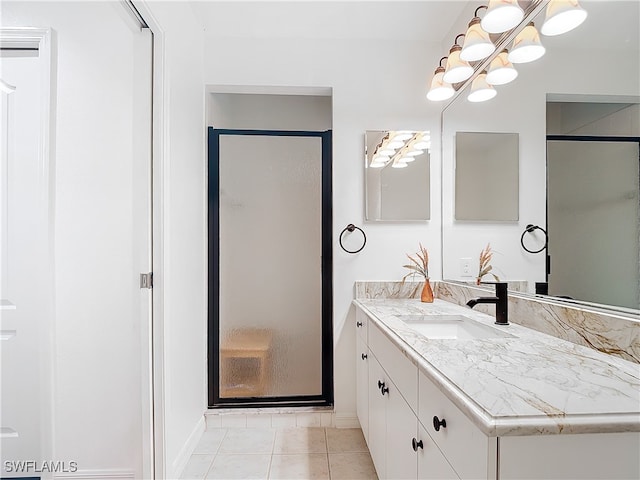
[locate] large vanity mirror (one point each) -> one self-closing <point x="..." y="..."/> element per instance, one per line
<point x="587" y="87"/>
<point x="397" y="175"/>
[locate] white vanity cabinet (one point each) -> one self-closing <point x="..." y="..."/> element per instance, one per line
<point x="387" y="405"/>
<point x="397" y="406"/>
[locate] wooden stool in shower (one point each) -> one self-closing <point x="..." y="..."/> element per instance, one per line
<point x="244" y="363"/>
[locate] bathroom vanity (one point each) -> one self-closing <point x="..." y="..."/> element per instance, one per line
<point x="443" y="393"/>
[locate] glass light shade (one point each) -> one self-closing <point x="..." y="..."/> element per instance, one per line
<point x="399" y="164"/>
<point x="526" y="46"/>
<point x="501" y="15"/>
<point x="457" y="70"/>
<point x="477" y="44"/>
<point x="440" y="90"/>
<point x="481" y="91"/>
<point x="377" y="165"/>
<point x="501" y="70"/>
<point x="422" y="144"/>
<point x="394" y="144"/>
<point x="407" y="159"/>
<point x="414" y="153"/>
<point x="386" y="152"/>
<point x="562" y="16"/>
<point x="381" y="159"/>
<point x="402" y="136"/>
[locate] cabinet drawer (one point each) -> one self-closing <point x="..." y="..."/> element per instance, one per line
<point x="362" y="325"/>
<point x="469" y="451"/>
<point x="398" y="367"/>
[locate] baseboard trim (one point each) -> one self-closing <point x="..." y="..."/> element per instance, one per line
<point x="96" y="475"/>
<point x="350" y="421"/>
<point x="177" y="466"/>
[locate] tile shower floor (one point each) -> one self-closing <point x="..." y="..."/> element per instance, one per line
<point x="281" y="453"/>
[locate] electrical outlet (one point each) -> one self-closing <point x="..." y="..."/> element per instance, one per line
<point x="465" y="267"/>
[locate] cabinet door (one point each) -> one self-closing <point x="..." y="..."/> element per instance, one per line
<point x="431" y="462"/>
<point x="377" y="417"/>
<point x="401" y="430"/>
<point x="362" y="385"/>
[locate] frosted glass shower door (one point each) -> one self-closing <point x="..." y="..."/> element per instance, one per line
<point x="269" y="332"/>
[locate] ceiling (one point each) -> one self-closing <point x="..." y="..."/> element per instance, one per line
<point x="425" y="21"/>
<point x="610" y="23"/>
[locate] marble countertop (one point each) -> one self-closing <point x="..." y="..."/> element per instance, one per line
<point x="531" y="384"/>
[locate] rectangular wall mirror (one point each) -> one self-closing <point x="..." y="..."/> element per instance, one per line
<point x="486" y="178"/>
<point x="397" y="176"/>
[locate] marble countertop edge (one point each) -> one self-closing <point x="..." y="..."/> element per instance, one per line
<point x="508" y="425"/>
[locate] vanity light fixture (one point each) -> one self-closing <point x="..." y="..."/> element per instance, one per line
<point x="481" y="91"/>
<point x="562" y="16"/>
<point x="502" y="15"/>
<point x="526" y="46"/>
<point x="457" y="70"/>
<point x="477" y="44"/>
<point x="439" y="90"/>
<point x="501" y="70"/>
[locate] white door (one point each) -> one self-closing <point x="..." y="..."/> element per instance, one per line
<point x="76" y="223"/>
<point x="362" y="381"/>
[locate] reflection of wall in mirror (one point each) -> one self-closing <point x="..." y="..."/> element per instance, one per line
<point x="566" y="71"/>
<point x="486" y="176"/>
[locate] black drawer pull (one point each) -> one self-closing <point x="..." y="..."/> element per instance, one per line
<point x="384" y="389"/>
<point x="415" y="444"/>
<point x="437" y="423"/>
<point x="358" y="324"/>
<point x="364" y="356"/>
<point x="380" y="384"/>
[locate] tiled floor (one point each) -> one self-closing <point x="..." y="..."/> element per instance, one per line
<point x="281" y="453"/>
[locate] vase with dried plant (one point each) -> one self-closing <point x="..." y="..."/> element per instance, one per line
<point x="485" y="266"/>
<point x="420" y="266"/>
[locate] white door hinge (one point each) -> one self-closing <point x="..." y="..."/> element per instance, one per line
<point x="146" y="280"/>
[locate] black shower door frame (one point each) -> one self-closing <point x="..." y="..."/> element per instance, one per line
<point x="213" y="314"/>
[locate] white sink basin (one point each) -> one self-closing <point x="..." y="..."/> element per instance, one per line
<point x="455" y="327"/>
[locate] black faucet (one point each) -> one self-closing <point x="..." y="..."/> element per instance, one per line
<point x="501" y="300"/>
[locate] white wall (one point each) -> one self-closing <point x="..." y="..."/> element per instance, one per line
<point x="521" y="107"/>
<point x="97" y="405"/>
<point x="364" y="98"/>
<point x="180" y="228"/>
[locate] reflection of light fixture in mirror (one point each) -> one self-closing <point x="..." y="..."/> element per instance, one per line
<point x="481" y="91"/>
<point x="526" y="46"/>
<point x="501" y="70"/>
<point x="502" y="15"/>
<point x="375" y="164"/>
<point x="6" y="87"/>
<point x="414" y="153"/>
<point x="477" y="44"/>
<point x="457" y="70"/>
<point x="402" y="136"/>
<point x="407" y="159"/>
<point x="399" y="164"/>
<point x="386" y="151"/>
<point x="562" y="16"/>
<point x="439" y="89"/>
<point x="395" y="144"/>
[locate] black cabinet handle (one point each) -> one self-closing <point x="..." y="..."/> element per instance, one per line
<point x="415" y="444"/>
<point x="358" y="324"/>
<point x="437" y="423"/>
<point x="380" y="384"/>
<point x="384" y="389"/>
<point x="364" y="355"/>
